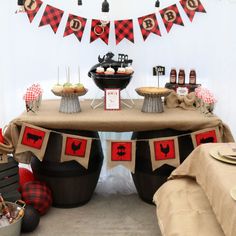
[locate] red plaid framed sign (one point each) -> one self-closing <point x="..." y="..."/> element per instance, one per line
<point x="112" y="99"/>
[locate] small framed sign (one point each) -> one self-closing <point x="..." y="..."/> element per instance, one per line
<point x="112" y="99"/>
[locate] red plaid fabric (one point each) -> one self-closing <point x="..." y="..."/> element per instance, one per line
<point x="38" y="195"/>
<point x="32" y="7"/>
<point x="170" y="16"/>
<point x="51" y="16"/>
<point x="192" y="6"/>
<point x="124" y="29"/>
<point x="75" y="25"/>
<point x="99" y="30"/>
<point x="148" y="24"/>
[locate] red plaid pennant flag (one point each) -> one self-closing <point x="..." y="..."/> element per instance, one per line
<point x="170" y="16"/>
<point x="75" y="25"/>
<point x="164" y="151"/>
<point x="32" y="7"/>
<point x="148" y="24"/>
<point x="192" y="6"/>
<point x="99" y="30"/>
<point x="51" y="16"/>
<point x="121" y="153"/>
<point x="124" y="29"/>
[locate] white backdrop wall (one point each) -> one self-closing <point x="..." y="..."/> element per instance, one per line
<point x="32" y="54"/>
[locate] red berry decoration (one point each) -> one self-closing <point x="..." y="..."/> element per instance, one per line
<point x="25" y="176"/>
<point x="37" y="194"/>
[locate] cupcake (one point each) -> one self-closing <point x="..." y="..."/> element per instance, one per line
<point x="129" y="70"/>
<point x="100" y="70"/>
<point x="68" y="88"/>
<point x="110" y="71"/>
<point x="78" y="88"/>
<point x="57" y="88"/>
<point x="121" y="70"/>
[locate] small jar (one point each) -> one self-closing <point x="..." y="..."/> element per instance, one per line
<point x="181" y="77"/>
<point x="173" y="76"/>
<point x="192" y="77"/>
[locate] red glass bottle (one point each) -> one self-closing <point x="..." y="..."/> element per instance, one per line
<point x="181" y="77"/>
<point x="173" y="76"/>
<point x="192" y="77"/>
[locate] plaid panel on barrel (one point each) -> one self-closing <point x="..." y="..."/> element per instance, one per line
<point x="75" y="25"/>
<point x="192" y="6"/>
<point x="99" y="29"/>
<point x="124" y="29"/>
<point x="32" y="7"/>
<point x="148" y="24"/>
<point x="170" y="16"/>
<point x="51" y="16"/>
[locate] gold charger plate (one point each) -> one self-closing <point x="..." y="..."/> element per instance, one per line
<point x="214" y="152"/>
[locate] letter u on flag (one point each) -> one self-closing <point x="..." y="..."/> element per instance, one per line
<point x="210" y="135"/>
<point x="192" y="6"/>
<point x="75" y="25"/>
<point x="32" y="7"/>
<point x="121" y="153"/>
<point x="51" y="16"/>
<point x="148" y="24"/>
<point x="33" y="139"/>
<point x="164" y="151"/>
<point x="76" y="148"/>
<point x="170" y="16"/>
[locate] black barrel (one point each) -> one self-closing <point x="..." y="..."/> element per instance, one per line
<point x="71" y="184"/>
<point x="147" y="181"/>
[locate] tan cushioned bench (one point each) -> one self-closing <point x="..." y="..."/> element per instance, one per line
<point x="184" y="210"/>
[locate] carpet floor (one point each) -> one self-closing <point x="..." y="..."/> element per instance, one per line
<point x="102" y="216"/>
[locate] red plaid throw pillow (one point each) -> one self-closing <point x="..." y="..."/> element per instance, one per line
<point x="38" y="195"/>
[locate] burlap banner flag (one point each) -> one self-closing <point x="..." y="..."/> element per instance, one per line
<point x="121" y="153"/>
<point x="99" y="29"/>
<point x="124" y="29"/>
<point x="76" y="148"/>
<point x="210" y="135"/>
<point x="170" y="16"/>
<point x="148" y="24"/>
<point x="75" y="25"/>
<point x="164" y="151"/>
<point x="32" y="7"/>
<point x="33" y="139"/>
<point x="51" y="16"/>
<point x="192" y="6"/>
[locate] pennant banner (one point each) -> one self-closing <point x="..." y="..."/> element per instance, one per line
<point x="170" y="16"/>
<point x="76" y="148"/>
<point x="121" y="153"/>
<point x="148" y="24"/>
<point x="124" y="29"/>
<point x="192" y="6"/>
<point x="211" y="135"/>
<point x="164" y="151"/>
<point x="51" y="16"/>
<point x="99" y="29"/>
<point x="33" y="139"/>
<point x="75" y="25"/>
<point x="32" y="7"/>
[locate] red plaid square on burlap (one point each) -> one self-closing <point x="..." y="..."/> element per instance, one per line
<point x="124" y="29"/>
<point x="192" y="6"/>
<point x="32" y="7"/>
<point x="75" y="25"/>
<point x="148" y="24"/>
<point x="100" y="30"/>
<point x="51" y="16"/>
<point x="170" y="15"/>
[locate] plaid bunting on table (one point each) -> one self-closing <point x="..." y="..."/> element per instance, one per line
<point x="192" y="6"/>
<point x="99" y="30"/>
<point x="51" y="16"/>
<point x="75" y="25"/>
<point x="170" y="16"/>
<point x="32" y="7"/>
<point x="124" y="29"/>
<point x="148" y="24"/>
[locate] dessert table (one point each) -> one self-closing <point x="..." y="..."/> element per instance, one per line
<point x="173" y="121"/>
<point x="215" y="178"/>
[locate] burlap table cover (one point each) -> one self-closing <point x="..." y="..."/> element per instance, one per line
<point x="216" y="179"/>
<point x="123" y="120"/>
